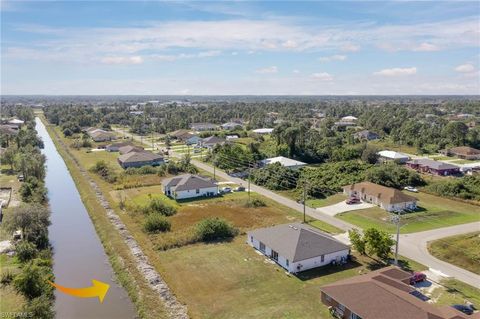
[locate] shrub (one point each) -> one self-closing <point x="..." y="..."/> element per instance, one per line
<point x="26" y="251"/>
<point x="256" y="202"/>
<point x="6" y="278"/>
<point x="31" y="282"/>
<point x="157" y="206"/>
<point x="215" y="228"/>
<point x="40" y="308"/>
<point x="104" y="170"/>
<point x="156" y="223"/>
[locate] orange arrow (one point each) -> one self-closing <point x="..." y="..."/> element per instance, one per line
<point x="98" y="289"/>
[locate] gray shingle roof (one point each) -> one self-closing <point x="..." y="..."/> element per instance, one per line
<point x="188" y="182"/>
<point x="143" y="156"/>
<point x="297" y="241"/>
<point x="432" y="164"/>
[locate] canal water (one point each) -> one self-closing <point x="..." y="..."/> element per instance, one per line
<point x="78" y="253"/>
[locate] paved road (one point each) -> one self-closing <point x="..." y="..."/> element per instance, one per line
<point x="413" y="246"/>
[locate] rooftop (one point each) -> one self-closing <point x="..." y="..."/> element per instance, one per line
<point x="297" y="241"/>
<point x="393" y="155"/>
<point x="188" y="182"/>
<point x="432" y="164"/>
<point x="386" y="195"/>
<point x="142" y="156"/>
<point x="284" y="161"/>
<point x="464" y="150"/>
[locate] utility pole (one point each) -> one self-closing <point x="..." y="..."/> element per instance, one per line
<point x="397" y="221"/>
<point x="249" y="171"/>
<point x="304" y="198"/>
<point x="214" y="169"/>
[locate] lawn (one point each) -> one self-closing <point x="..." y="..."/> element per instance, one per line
<point x="388" y="145"/>
<point x="434" y="212"/>
<point x="463" y="161"/>
<point x="440" y="157"/>
<point x="330" y="200"/>
<point x="10" y="300"/>
<point x="462" y="251"/>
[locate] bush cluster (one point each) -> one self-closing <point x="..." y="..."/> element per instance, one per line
<point x="215" y="228"/>
<point x="105" y="171"/>
<point x="155" y="223"/>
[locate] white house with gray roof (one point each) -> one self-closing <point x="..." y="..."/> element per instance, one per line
<point x="189" y="186"/>
<point x="298" y="247"/>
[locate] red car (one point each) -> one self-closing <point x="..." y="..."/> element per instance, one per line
<point x="417" y="277"/>
<point x="352" y="200"/>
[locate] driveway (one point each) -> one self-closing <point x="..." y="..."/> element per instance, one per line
<point x="341" y="207"/>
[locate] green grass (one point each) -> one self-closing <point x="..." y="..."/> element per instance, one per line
<point x="388" y="145"/>
<point x="440" y="158"/>
<point x="330" y="200"/>
<point x="10" y="299"/>
<point x="463" y="161"/>
<point x="462" y="251"/>
<point x="456" y="292"/>
<point x="435" y="212"/>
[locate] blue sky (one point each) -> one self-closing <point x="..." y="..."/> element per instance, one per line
<point x="240" y="47"/>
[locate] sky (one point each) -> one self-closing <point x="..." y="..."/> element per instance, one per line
<point x="240" y="47"/>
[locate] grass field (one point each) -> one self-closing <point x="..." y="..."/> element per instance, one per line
<point x="435" y="212"/>
<point x="10" y="300"/>
<point x="330" y="200"/>
<point x="388" y="145"/>
<point x="463" y="161"/>
<point x="462" y="251"/>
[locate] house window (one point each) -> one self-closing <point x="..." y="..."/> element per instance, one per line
<point x="354" y="316"/>
<point x="262" y="247"/>
<point x="274" y="255"/>
<point x="197" y="191"/>
<point x="322" y="258"/>
<point x="341" y="307"/>
<point x="251" y="239"/>
<point x="328" y="298"/>
<point x="288" y="263"/>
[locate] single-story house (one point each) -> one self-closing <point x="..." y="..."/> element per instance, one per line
<point x="199" y="127"/>
<point x="193" y="139"/>
<point x="129" y="148"/>
<point x="189" y="186"/>
<point x="115" y="147"/>
<point x="9" y="129"/>
<point x="139" y="159"/>
<point x="230" y="126"/>
<point x="382" y="294"/>
<point x="263" y="131"/>
<point x="180" y="134"/>
<point x="298" y="247"/>
<point x="349" y="118"/>
<point x="464" y="152"/>
<point x="344" y="124"/>
<point x="99" y="135"/>
<point x="284" y="161"/>
<point x="16" y="122"/>
<point x="231" y="137"/>
<point x="387" y="156"/>
<point x="211" y="141"/>
<point x="390" y="199"/>
<point x="366" y="135"/>
<point x="426" y="165"/>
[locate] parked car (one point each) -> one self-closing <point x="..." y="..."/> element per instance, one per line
<point x="463" y="308"/>
<point x="417" y="277"/>
<point x="352" y="200"/>
<point x="411" y="189"/>
<point x="20" y="178"/>
<point x="226" y="190"/>
<point x="239" y="189"/>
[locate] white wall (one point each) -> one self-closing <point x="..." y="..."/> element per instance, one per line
<point x="306" y="264"/>
<point x="193" y="193"/>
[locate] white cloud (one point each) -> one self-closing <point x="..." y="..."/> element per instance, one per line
<point x="296" y="71"/>
<point x="322" y="76"/>
<point x="397" y="71"/>
<point x="465" y="68"/>
<point x="349" y="47"/>
<point x="270" y="69"/>
<point x="122" y="60"/>
<point x="336" y="57"/>
<point x="290" y="44"/>
<point x="426" y="47"/>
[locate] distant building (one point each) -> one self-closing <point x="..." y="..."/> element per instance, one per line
<point x="366" y="135"/>
<point x="349" y="118"/>
<point x="139" y="159"/>
<point x="393" y="156"/>
<point x="382" y="294"/>
<point x="263" y="131"/>
<point x="211" y="141"/>
<point x="200" y="127"/>
<point x="464" y="152"/>
<point x="114" y="147"/>
<point x="193" y="139"/>
<point x="8" y="129"/>
<point x="388" y="198"/>
<point x="129" y="148"/>
<point x="344" y="124"/>
<point x="99" y="135"/>
<point x="425" y="165"/>
<point x="16" y="122"/>
<point x="181" y="135"/>
<point x="284" y="161"/>
<point x="298" y="247"/>
<point x="189" y="186"/>
<point x="231" y="137"/>
<point x="230" y="126"/>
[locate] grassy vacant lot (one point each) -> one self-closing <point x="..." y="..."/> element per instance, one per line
<point x="462" y="250"/>
<point x="10" y="300"/>
<point x="388" y="145"/>
<point x="434" y="212"/>
<point x="330" y="200"/>
<point x="455" y="292"/>
<point x="223" y="280"/>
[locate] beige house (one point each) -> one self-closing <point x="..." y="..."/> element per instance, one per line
<point x="390" y="199"/>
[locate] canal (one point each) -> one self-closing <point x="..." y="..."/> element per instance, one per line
<point x="78" y="253"/>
